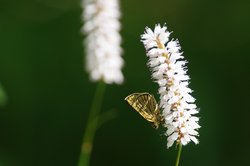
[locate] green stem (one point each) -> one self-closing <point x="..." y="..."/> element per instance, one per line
<point x="178" y="155"/>
<point x="92" y="125"/>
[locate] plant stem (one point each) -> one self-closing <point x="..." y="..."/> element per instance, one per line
<point x="92" y="125"/>
<point x="178" y="155"/>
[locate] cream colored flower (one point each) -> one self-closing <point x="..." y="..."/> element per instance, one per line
<point x="169" y="71"/>
<point x="102" y="43"/>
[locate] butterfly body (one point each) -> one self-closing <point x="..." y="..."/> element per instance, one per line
<point x="146" y="105"/>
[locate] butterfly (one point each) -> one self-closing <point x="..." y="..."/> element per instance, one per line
<point x="146" y="105"/>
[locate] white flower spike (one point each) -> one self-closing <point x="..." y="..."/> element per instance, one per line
<point x="103" y="51"/>
<point x="169" y="71"/>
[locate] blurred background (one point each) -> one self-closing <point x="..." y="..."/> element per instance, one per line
<point x="47" y="94"/>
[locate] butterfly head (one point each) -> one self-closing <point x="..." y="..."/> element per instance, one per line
<point x="158" y="120"/>
<point x="155" y="125"/>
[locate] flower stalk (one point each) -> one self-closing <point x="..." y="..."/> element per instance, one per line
<point x="91" y="125"/>
<point x="178" y="155"/>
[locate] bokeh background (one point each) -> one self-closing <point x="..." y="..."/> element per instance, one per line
<point x="49" y="93"/>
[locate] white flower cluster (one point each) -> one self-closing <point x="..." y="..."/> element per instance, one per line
<point x="103" y="51"/>
<point x="169" y="71"/>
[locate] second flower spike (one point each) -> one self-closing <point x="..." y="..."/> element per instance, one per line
<point x="103" y="40"/>
<point x="169" y="71"/>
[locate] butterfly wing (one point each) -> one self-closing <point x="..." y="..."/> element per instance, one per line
<point x="132" y="98"/>
<point x="144" y="104"/>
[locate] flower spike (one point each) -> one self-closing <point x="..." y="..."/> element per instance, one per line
<point x="170" y="72"/>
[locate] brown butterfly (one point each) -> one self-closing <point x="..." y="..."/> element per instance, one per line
<point x="146" y="106"/>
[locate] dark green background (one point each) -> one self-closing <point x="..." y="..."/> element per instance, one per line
<point x="49" y="94"/>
